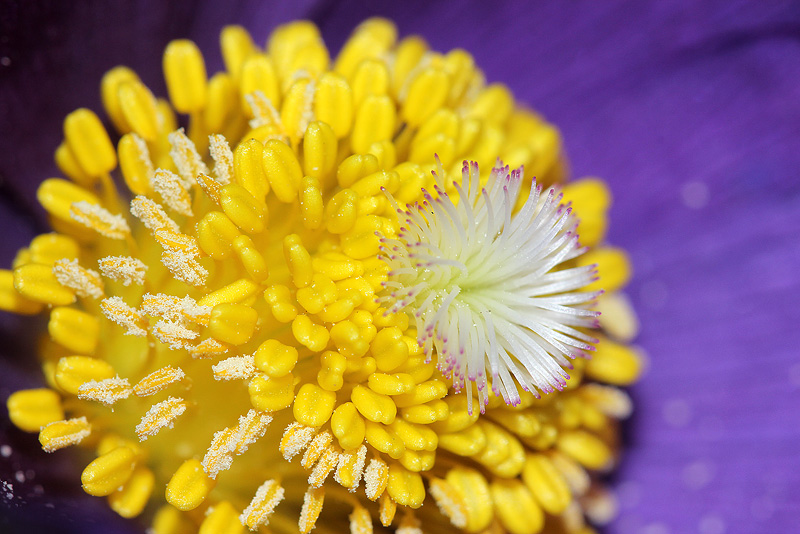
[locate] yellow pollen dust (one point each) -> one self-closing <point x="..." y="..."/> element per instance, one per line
<point x="223" y="336"/>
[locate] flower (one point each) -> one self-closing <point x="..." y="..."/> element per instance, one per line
<point x="259" y="237"/>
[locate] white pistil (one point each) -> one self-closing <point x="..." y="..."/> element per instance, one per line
<point x="487" y="285"/>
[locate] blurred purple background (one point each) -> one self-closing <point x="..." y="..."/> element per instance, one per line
<point x="690" y="110"/>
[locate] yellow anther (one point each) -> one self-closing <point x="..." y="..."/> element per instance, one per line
<point x="159" y="416"/>
<point x="271" y="394"/>
<point x="219" y="457"/>
<point x="49" y="248"/>
<point x="235" y="292"/>
<point x="412" y="179"/>
<point x="275" y="359"/>
<point x="247" y="212"/>
<point x="135" y="164"/>
<point x="208" y="348"/>
<point x="326" y="464"/>
<point x="424" y="149"/>
<point x="189" y="486"/>
<point x="333" y="366"/>
<point x="222" y="518"/>
<point x="609" y="400"/>
<point x="236" y="45"/>
<point x="374" y="122"/>
<point x="494" y="104"/>
<point x="449" y="501"/>
<point x="266" y="121"/>
<point x="310" y="334"/>
<point x="405" y="487"/>
<point x="418" y="461"/>
<point x="210" y="187"/>
<point x="356" y="167"/>
<point x="258" y="74"/>
<point x="370" y="78"/>
<point x="386" y="153"/>
<point x="473" y="490"/>
<point x="311" y="203"/>
<point x="465" y="442"/>
<point x="172" y="191"/>
<point x="460" y="65"/>
<point x="375" y="183"/>
<point x="524" y="424"/>
<point x="158" y="380"/>
<point x="269" y="494"/>
<point x="590" y="200"/>
<point x="115" y="309"/>
<point x="371" y="39"/>
<point x="248" y="169"/>
<point x="613" y="268"/>
<point x="73" y="329"/>
<point x="223" y="101"/>
<point x="184" y="267"/>
<point x="100" y="220"/>
<point x="185" y="74"/>
<point x="250" y="428"/>
<point x="176" y="241"/>
<point x="337" y="267"/>
<point x="376" y="477"/>
<point x="13" y="301"/>
<point x="351" y="340"/>
<point x="312" y="506"/>
<point x="316" y="449"/>
<point x="152" y="215"/>
<point x="341" y="211"/>
<point x="222" y="155"/>
<point x="313" y="405"/>
<point x="513" y="463"/>
<point x="384" y="439"/>
<point x="130" y="500"/>
<point x="516" y="508"/>
<point x="123" y="269"/>
<point x="282" y="170"/>
<point x="386" y="384"/>
<point x="295" y="438"/>
<point x="360" y="241"/>
<point x="170" y="520"/>
<point x="348" y="426"/>
<point x="68" y="164"/>
<point x="109" y="92"/>
<point x="415" y="437"/>
<point x="216" y="233"/>
<point x="31" y="409"/>
<point x="138" y="106"/>
<point x="617" y="316"/>
<point x="234" y="368"/>
<point x="233" y="323"/>
<point x="426" y="414"/>
<point x="73" y="371"/>
<point x="351" y="467"/>
<point x="298" y="260"/>
<point x="586" y="448"/>
<point x="57" y="196"/>
<point x="88" y="140"/>
<point x="427" y="93"/>
<point x="424" y="392"/>
<point x="319" y="151"/>
<point x="186" y="157"/>
<point x="333" y="103"/>
<point x="296" y="110"/>
<point x="173" y="333"/>
<point x="614" y="363"/>
<point x="251" y="258"/>
<point x="108" y="391"/>
<point x="359" y="369"/>
<point x="360" y="520"/>
<point x="321" y="292"/>
<point x="281" y="304"/>
<point x="108" y="472"/>
<point x="388" y="508"/>
<point x="389" y="349"/>
<point x="546" y="483"/>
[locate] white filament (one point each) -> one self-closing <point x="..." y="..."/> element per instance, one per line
<point x="487" y="285"/>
